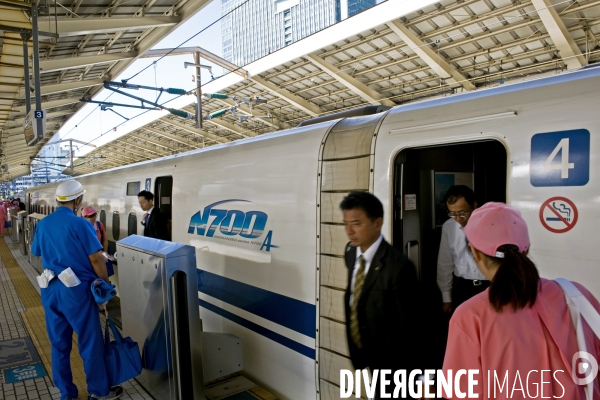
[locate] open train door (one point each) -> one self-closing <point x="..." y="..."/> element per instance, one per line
<point x="163" y="195"/>
<point x="422" y="177"/>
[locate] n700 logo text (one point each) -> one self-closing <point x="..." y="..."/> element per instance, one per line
<point x="249" y="225"/>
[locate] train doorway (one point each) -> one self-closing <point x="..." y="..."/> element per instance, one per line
<point x="163" y="196"/>
<point x="422" y="177"/>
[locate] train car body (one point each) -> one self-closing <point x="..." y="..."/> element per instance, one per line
<point x="263" y="213"/>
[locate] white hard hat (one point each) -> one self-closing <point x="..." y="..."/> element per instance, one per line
<point x="69" y="190"/>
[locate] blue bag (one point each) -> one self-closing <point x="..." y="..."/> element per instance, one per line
<point x="123" y="360"/>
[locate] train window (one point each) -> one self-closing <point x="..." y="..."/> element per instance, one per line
<point x="132" y="224"/>
<point x="103" y="217"/>
<point x="116" y="225"/>
<point x="133" y="188"/>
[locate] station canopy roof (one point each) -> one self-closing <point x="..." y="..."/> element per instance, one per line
<point x="389" y="55"/>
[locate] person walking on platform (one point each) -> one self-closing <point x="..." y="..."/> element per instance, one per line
<point x="457" y="275"/>
<point x="68" y="243"/>
<point x="155" y="225"/>
<point x="381" y="300"/>
<point x="520" y="333"/>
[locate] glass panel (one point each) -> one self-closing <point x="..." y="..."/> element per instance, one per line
<point x="133" y="188"/>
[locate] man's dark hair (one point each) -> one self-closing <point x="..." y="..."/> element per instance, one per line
<point x="456" y="192"/>
<point x="365" y="201"/>
<point x="146" y="194"/>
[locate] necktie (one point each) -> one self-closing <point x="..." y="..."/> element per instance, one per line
<point x="145" y="219"/>
<point x="359" y="281"/>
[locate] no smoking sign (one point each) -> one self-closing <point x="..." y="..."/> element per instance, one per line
<point x="558" y="214"/>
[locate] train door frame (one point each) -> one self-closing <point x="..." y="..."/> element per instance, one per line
<point x="164" y="185"/>
<point x="416" y="232"/>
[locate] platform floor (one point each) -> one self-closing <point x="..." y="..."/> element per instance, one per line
<point x="24" y="345"/>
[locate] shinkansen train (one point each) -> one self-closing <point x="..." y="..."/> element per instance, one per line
<point x="263" y="213"/>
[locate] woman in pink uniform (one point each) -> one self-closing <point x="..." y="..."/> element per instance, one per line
<point x="518" y="333"/>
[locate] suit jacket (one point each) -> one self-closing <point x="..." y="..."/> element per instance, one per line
<point x="387" y="311"/>
<point x="156" y="226"/>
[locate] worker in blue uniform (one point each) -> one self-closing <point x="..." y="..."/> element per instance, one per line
<point x="65" y="241"/>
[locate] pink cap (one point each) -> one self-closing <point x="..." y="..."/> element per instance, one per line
<point x="87" y="211"/>
<point x="496" y="224"/>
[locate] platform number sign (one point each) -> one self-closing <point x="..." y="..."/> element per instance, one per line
<point x="560" y="158"/>
<point x="38" y="114"/>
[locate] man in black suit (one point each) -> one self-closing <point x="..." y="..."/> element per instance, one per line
<point x="155" y="224"/>
<point x="381" y="298"/>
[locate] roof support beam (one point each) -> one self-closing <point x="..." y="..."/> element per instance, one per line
<point x="51" y="65"/>
<point x="137" y="136"/>
<point x="274" y="122"/>
<point x="230" y="127"/>
<point x="436" y="62"/>
<point x="568" y="49"/>
<point x="158" y="152"/>
<point x="85" y="26"/>
<point x="169" y="136"/>
<point x="196" y="131"/>
<point x="65" y="87"/>
<point x="52" y="104"/>
<point x="18" y="122"/>
<point x="351" y="83"/>
<point x="128" y="153"/>
<point x="296" y="101"/>
<point x="109" y="154"/>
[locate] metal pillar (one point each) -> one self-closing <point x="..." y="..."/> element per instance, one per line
<point x="36" y="65"/>
<point x="26" y="36"/>
<point x="198" y="91"/>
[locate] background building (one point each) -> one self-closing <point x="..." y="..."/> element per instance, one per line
<point x="260" y="27"/>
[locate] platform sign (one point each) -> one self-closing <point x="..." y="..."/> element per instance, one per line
<point x="560" y="158"/>
<point x="24" y="372"/>
<point x="558" y="214"/>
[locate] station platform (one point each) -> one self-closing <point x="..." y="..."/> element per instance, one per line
<point x="25" y="367"/>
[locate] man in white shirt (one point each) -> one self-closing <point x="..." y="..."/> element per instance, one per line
<point x="458" y="277"/>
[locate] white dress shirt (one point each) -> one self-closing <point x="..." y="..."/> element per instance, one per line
<point x="368" y="256"/>
<point x="454" y="258"/>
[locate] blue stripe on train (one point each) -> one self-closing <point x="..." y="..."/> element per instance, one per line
<point x="300" y="348"/>
<point x="291" y="313"/>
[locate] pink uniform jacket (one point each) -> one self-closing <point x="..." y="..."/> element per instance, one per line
<point x="519" y="355"/>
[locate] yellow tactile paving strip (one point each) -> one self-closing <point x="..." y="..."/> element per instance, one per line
<point x="35" y="321"/>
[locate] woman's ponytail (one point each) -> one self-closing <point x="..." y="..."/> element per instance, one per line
<point x="516" y="281"/>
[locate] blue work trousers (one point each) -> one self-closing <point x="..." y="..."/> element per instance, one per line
<point x="74" y="309"/>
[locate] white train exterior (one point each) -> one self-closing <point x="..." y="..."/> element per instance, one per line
<point x="263" y="213"/>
